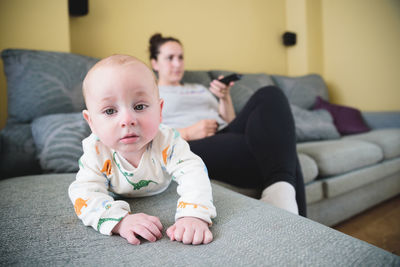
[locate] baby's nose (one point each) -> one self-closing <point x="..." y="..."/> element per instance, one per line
<point x="128" y="119"/>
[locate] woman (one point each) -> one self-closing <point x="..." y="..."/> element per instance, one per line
<point x="253" y="149"/>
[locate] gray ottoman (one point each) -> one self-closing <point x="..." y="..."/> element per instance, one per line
<point x="39" y="227"/>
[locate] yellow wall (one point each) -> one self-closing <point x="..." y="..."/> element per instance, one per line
<point x="361" y="48"/>
<point x="297" y="60"/>
<point x="353" y="44"/>
<point x="38" y="24"/>
<point x="224" y="34"/>
<point x="304" y="18"/>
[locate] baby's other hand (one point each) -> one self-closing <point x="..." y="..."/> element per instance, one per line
<point x="146" y="226"/>
<point x="190" y="230"/>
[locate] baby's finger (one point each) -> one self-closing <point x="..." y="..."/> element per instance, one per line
<point x="178" y="233"/>
<point x="188" y="236"/>
<point x="156" y="221"/>
<point x="208" y="236"/>
<point x="198" y="237"/>
<point x="145" y="233"/>
<point x="170" y="232"/>
<point x="152" y="228"/>
<point x="131" y="238"/>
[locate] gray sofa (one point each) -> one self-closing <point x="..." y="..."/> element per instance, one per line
<point x="343" y="176"/>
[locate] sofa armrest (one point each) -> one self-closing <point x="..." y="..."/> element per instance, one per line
<point x="382" y="119"/>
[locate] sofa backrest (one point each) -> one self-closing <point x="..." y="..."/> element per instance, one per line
<point x="42" y="82"/>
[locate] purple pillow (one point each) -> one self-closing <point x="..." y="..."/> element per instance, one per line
<point x="346" y="119"/>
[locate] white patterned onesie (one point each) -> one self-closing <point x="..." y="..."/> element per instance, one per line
<point x="103" y="173"/>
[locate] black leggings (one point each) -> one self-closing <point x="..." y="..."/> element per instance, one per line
<point x="258" y="148"/>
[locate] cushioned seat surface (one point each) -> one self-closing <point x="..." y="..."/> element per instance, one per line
<point x="387" y="139"/>
<point x="356" y="179"/>
<point x="39" y="227"/>
<point x="340" y="156"/>
<point x="314" y="192"/>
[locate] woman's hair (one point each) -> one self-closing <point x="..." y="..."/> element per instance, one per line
<point x="156" y="41"/>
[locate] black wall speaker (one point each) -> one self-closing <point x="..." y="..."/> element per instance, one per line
<point x="78" y="7"/>
<point x="289" y="38"/>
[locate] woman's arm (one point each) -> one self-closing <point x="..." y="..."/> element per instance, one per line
<point x="222" y="91"/>
<point x="199" y="130"/>
<point x="226" y="109"/>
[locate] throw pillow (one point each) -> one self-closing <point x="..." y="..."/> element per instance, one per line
<point x="313" y="125"/>
<point x="301" y="91"/>
<point x="245" y="87"/>
<point x="42" y="82"/>
<point x="58" y="139"/>
<point x="347" y="120"/>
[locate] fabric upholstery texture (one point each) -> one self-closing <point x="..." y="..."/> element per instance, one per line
<point x="41" y="82"/>
<point x="387" y="139"/>
<point x="313" y="125"/>
<point x="314" y="192"/>
<point x="309" y="168"/>
<point x="340" y="156"/>
<point x="382" y="119"/>
<point x="246" y="232"/>
<point x="348" y="120"/>
<point x="18" y="152"/>
<point x="192" y="76"/>
<point x="331" y="211"/>
<point x="58" y="139"/>
<point x="358" y="178"/>
<point x="302" y="91"/>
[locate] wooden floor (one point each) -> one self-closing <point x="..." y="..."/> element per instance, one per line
<point x="379" y="226"/>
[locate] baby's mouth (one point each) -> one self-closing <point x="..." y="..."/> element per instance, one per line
<point x="129" y="138"/>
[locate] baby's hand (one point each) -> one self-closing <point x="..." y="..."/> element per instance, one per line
<point x="146" y="226"/>
<point x="190" y="230"/>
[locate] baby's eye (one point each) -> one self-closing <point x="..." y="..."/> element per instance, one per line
<point x="140" y="107"/>
<point x="110" y="111"/>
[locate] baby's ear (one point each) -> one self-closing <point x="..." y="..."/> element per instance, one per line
<point x="161" y="107"/>
<point x="86" y="116"/>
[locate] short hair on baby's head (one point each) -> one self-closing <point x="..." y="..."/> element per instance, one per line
<point x="114" y="60"/>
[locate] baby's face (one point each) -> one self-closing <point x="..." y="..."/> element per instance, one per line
<point x="123" y="107"/>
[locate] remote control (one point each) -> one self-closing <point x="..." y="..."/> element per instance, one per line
<point x="231" y="78"/>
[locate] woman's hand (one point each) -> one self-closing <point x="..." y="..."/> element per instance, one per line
<point x="199" y="130"/>
<point x="221" y="90"/>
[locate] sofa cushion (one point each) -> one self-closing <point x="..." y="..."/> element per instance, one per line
<point x="18" y="152"/>
<point x="348" y="120"/>
<point x="193" y="76"/>
<point x="245" y="87"/>
<point x="313" y="125"/>
<point x="41" y="82"/>
<point x="308" y="167"/>
<point x="314" y="192"/>
<point x="356" y="179"/>
<point x="303" y="90"/>
<point x="41" y="229"/>
<point x="340" y="156"/>
<point x="58" y="139"/>
<point x="387" y="139"/>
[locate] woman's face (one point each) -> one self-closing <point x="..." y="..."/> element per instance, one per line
<point x="170" y="64"/>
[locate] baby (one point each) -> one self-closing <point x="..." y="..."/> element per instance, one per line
<point x="131" y="154"/>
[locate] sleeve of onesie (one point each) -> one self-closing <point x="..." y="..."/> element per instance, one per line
<point x="194" y="186"/>
<point x="89" y="192"/>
